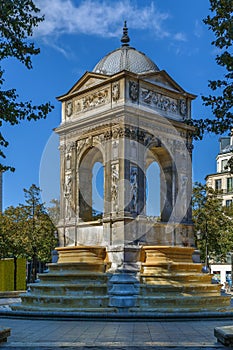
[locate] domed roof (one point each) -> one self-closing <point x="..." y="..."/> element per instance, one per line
<point x="125" y="58"/>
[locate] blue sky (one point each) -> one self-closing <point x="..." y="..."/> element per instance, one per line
<point x="73" y="38"/>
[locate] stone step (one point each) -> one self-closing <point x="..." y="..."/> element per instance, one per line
<point x="73" y="277"/>
<point x="68" y="289"/>
<point x="78" y="266"/>
<point x="63" y="301"/>
<point x="78" y="256"/>
<point x="73" y="254"/>
<point x="185" y="290"/>
<point x="46" y="308"/>
<point x="182" y="277"/>
<point x="158" y="259"/>
<point x="156" y="311"/>
<point x="182" y="302"/>
<point x="178" y="254"/>
<point x="171" y="266"/>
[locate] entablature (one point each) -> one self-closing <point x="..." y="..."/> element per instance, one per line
<point x="95" y="92"/>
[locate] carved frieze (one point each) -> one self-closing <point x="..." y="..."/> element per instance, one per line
<point x="159" y="100"/>
<point x="90" y="101"/>
<point x="162" y="102"/>
<point x="94" y="100"/>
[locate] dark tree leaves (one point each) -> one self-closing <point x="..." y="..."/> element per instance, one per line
<point x="18" y="18"/>
<point x="213" y="220"/>
<point x="27" y="230"/>
<point x="221" y="100"/>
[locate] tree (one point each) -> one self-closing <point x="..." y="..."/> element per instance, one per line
<point x="54" y="211"/>
<point x="213" y="222"/>
<point x="27" y="231"/>
<point x="17" y="20"/>
<point x="221" y="101"/>
<point x="12" y="234"/>
<point x="40" y="228"/>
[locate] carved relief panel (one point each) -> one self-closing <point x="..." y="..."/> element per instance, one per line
<point x="115" y="186"/>
<point x="115" y="91"/>
<point x="68" y="179"/>
<point x="134" y="188"/>
<point x="158" y="100"/>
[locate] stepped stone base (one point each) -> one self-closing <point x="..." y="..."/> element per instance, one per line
<point x="166" y="281"/>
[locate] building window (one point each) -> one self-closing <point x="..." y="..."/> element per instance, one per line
<point x="223" y="165"/>
<point x="228" y="203"/>
<point x="229" y="184"/>
<point x="218" y="184"/>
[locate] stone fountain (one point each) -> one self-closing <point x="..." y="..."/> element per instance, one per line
<point x="125" y="115"/>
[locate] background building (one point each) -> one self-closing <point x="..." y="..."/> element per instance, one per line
<point x="222" y="180"/>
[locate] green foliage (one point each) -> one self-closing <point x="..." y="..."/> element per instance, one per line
<point x="26" y="230"/>
<point x="54" y="211"/>
<point x="221" y="101"/>
<point x="17" y="20"/>
<point x="229" y="165"/>
<point x="211" y="220"/>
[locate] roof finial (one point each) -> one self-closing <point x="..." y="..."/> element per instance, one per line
<point x="125" y="38"/>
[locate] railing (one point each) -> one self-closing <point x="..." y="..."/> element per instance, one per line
<point x="224" y="191"/>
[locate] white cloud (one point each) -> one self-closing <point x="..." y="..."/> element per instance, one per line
<point x="180" y="37"/>
<point x="198" y="28"/>
<point x="95" y="17"/>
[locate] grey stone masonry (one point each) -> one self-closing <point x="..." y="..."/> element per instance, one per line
<point x="4" y="333"/>
<point x="224" y="335"/>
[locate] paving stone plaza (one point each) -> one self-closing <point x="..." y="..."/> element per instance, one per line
<point x="90" y="334"/>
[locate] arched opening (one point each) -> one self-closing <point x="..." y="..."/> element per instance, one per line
<point x="91" y="185"/>
<point x="159" y="182"/>
<point x="97" y="190"/>
<point x="153" y="190"/>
